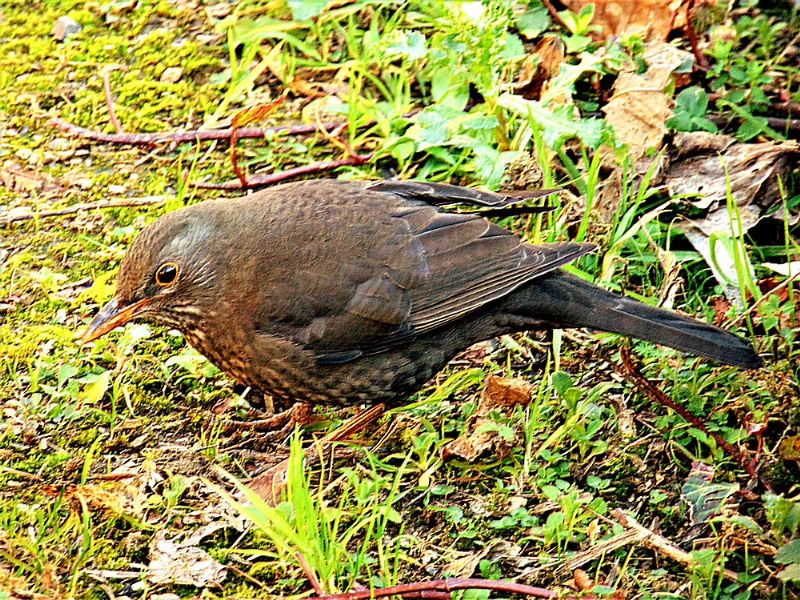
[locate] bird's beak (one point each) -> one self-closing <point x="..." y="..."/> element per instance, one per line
<point x="111" y="316"/>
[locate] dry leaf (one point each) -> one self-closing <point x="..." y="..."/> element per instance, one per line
<point x="503" y="392"/>
<point x="638" y="111"/>
<point x="482" y="434"/>
<point x="709" y="167"/>
<point x="652" y="19"/>
<point x="257" y="112"/>
<point x="582" y="580"/>
<point x="181" y="563"/>
<point x="540" y="67"/>
<point x="699" y="163"/>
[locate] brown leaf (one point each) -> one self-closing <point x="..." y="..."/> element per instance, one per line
<point x="482" y="434"/>
<point x="721" y="309"/>
<point x="582" y="580"/>
<point x="540" y="67"/>
<point x="258" y="112"/>
<point x="505" y="393"/>
<point x="696" y="167"/>
<point x="789" y="448"/>
<point x="709" y="167"/>
<point x="638" y="111"/>
<point x="652" y="19"/>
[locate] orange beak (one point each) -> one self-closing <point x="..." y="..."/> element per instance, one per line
<point x="110" y="317"/>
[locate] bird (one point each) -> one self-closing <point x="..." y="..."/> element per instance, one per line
<point x="340" y="292"/>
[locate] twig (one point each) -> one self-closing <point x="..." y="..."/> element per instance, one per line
<point x="554" y="14"/>
<point x="257" y="181"/>
<point x="776" y="123"/>
<point x="20" y="473"/>
<point x="76" y="208"/>
<point x="250" y="115"/>
<point x="635" y="376"/>
<point x="297" y="412"/>
<point x="112" y="114"/>
<point x="664" y="546"/>
<point x="598" y="550"/>
<point x="702" y="62"/>
<point x="787" y="107"/>
<point x="442" y="585"/>
<point x="145" y="139"/>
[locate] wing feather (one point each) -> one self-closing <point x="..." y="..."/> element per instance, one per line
<point x="389" y="264"/>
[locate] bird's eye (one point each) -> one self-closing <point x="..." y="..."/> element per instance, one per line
<point x="167" y="274"/>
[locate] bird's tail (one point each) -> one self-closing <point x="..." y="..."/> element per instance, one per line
<point x="567" y="301"/>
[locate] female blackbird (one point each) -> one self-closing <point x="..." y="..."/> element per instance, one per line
<point x="346" y="292"/>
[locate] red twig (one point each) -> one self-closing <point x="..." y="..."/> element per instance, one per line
<point x="692" y="34"/>
<point x="112" y="114"/>
<point x="257" y="181"/>
<point x="235" y="159"/>
<point x="635" y="376"/>
<point x="145" y="139"/>
<point x="787" y="107"/>
<point x="246" y="116"/>
<point x="441" y="585"/>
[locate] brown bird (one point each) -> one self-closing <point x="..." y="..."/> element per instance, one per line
<point x="345" y="292"/>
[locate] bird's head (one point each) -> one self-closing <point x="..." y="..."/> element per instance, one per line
<point x="167" y="276"/>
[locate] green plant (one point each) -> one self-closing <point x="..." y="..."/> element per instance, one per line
<point x="691" y="106"/>
<point x="307" y="528"/>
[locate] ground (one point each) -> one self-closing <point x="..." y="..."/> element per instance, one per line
<point x="533" y="458"/>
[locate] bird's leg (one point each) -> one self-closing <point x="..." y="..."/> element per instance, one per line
<point x="271" y="483"/>
<point x="298" y="414"/>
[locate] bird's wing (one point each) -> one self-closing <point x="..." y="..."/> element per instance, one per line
<point x="470" y="262"/>
<point x="386" y="269"/>
<point x="444" y="194"/>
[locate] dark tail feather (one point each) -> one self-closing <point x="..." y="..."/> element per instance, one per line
<point x="568" y="301"/>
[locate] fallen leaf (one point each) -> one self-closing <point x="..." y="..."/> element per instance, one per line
<point x="705" y="498"/>
<point x="503" y="392"/>
<point x="789" y="448"/>
<point x="176" y="562"/>
<point x="701" y="163"/>
<point x="651" y="19"/>
<point x="721" y="309"/>
<point x="582" y="580"/>
<point x="638" y="111"/>
<point x="540" y="67"/>
<point x="483" y="434"/>
<point x="708" y="167"/>
<point x="669" y="60"/>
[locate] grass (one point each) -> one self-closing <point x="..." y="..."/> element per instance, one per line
<point x="105" y="448"/>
